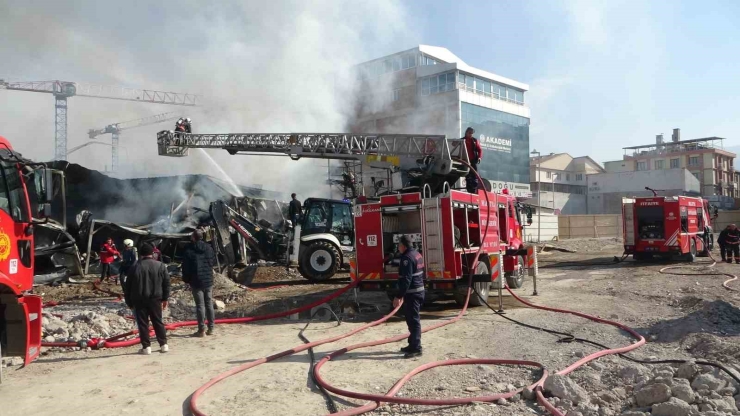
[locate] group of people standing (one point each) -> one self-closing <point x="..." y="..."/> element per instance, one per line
<point x="146" y="285"/>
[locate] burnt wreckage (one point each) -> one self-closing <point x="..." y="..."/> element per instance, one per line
<point x="89" y="207"/>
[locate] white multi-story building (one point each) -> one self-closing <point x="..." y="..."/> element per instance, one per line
<point x="561" y="181"/>
<point x="429" y="90"/>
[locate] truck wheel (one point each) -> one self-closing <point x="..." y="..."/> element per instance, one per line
<point x="691" y="255"/>
<point x="319" y="261"/>
<point x="515" y="279"/>
<point x="481" y="287"/>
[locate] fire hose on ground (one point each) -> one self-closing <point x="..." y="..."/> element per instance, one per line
<point x="375" y="400"/>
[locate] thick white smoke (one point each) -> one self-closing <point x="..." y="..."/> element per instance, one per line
<point x="262" y="66"/>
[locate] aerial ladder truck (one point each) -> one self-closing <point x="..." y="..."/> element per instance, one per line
<point x="434" y="163"/>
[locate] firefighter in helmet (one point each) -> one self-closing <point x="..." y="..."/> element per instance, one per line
<point x="411" y="292"/>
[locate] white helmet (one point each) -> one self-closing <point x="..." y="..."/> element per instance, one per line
<point x="128" y="242"/>
<point x="188" y="119"/>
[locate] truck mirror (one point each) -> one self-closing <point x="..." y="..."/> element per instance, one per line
<point x="45" y="210"/>
<point x="45" y="185"/>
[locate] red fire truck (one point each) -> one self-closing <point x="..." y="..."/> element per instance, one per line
<point x="448" y="230"/>
<point x="20" y="313"/>
<point x="667" y="226"/>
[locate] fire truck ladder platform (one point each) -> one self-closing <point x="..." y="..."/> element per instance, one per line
<point x="344" y="146"/>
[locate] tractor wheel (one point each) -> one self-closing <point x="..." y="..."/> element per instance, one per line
<point x="319" y="261"/>
<point x="480" y="287"/>
<point x="691" y="255"/>
<point x="515" y="279"/>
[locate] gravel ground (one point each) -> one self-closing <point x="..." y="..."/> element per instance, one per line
<point x="682" y="317"/>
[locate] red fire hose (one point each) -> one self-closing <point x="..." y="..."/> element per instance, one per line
<point x="390" y="395"/>
<point x="725" y="284"/>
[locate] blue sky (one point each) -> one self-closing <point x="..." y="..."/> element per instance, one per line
<point x="603" y="75"/>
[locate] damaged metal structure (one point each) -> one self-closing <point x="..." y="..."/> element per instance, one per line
<point x="89" y="207"/>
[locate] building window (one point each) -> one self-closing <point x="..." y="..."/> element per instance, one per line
<point x="549" y="175"/>
<point x="693" y="160"/>
<point x="396" y="94"/>
<point x="696" y="174"/>
<point x="567" y="176"/>
<point x="674" y="163"/>
<point x="659" y="164"/>
<point x="438" y="83"/>
<point x="579" y="176"/>
<point x="490" y="89"/>
<point x="642" y="165"/>
<point x="425" y="60"/>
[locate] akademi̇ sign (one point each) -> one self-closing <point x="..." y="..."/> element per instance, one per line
<point x="496" y="144"/>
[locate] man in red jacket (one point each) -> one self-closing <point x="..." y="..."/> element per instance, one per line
<point x="475" y="154"/>
<point x="108" y="253"/>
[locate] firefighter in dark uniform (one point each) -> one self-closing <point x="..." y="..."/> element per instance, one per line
<point x="733" y="244"/>
<point x="411" y="291"/>
<point x="722" y="243"/>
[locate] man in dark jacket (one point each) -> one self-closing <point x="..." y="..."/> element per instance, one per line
<point x="475" y="154"/>
<point x="146" y="291"/>
<point x="722" y="243"/>
<point x="294" y="209"/>
<point x="197" y="271"/>
<point x="732" y="242"/>
<point x="411" y="291"/>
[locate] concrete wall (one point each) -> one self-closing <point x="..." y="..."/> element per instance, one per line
<point x="726" y="218"/>
<point x="568" y="204"/>
<point x="589" y="226"/>
<point x="548" y="230"/>
<point x="619" y="166"/>
<point x="636" y="181"/>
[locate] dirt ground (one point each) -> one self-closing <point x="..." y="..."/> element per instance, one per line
<point x="681" y="316"/>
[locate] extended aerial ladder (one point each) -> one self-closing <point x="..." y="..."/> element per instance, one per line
<point x="440" y="157"/>
<point x="116" y="129"/>
<point x="62" y="90"/>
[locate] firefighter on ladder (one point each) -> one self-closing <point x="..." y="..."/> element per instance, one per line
<point x="411" y="291"/>
<point x="475" y="154"/>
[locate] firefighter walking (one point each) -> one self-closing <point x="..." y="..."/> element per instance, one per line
<point x="732" y="244"/>
<point x="411" y="291"/>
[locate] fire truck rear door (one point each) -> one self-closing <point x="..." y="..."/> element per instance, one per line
<point x="368" y="239"/>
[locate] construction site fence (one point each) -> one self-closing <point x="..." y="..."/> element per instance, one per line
<point x="590" y="226"/>
<point x="726" y="218"/>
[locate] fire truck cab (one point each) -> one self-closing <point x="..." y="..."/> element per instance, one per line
<point x="20" y="312"/>
<point x="448" y="230"/>
<point x="667" y="226"/>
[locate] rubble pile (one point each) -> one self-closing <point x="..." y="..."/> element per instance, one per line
<point x="605" y="388"/>
<point x="75" y="323"/>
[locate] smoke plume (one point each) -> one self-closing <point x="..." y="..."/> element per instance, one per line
<point x="261" y="66"/>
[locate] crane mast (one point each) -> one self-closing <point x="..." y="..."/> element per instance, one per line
<point x="116" y="129"/>
<point x="62" y="90"/>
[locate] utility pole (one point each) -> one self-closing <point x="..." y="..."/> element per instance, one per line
<point x="539" y="195"/>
